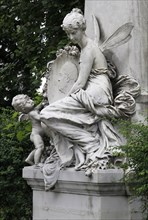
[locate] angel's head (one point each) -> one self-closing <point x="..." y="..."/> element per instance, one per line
<point x="74" y="20"/>
<point x="22" y="103"/>
<point x="74" y="25"/>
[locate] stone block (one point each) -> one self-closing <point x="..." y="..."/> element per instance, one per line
<point x="76" y="196"/>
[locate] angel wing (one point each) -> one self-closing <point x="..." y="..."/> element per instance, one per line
<point x="121" y="36"/>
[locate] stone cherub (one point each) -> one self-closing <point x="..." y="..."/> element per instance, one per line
<point x="23" y="103"/>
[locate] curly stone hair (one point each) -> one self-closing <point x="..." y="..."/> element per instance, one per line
<point x="74" y="20"/>
<point x="19" y="101"/>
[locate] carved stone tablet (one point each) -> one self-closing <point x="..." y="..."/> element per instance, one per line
<point x="63" y="74"/>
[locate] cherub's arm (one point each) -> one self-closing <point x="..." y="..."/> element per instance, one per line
<point x="41" y="105"/>
<point x="35" y="112"/>
<point x="34" y="115"/>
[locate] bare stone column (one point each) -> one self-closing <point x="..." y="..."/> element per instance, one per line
<point x="132" y="57"/>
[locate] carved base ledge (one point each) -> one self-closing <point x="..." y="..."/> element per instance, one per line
<point x="104" y="182"/>
<point x="76" y="196"/>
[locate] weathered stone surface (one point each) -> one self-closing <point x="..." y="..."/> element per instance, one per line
<point x="63" y="74"/>
<point x="76" y="196"/>
<point x="132" y="57"/>
<point x="77" y="124"/>
<point x="103" y="195"/>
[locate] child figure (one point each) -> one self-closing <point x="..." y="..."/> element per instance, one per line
<point x="23" y="103"/>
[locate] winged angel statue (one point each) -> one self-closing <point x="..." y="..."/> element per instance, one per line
<point x="85" y="94"/>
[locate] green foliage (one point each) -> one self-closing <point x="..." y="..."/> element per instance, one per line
<point x="37" y="99"/>
<point x="15" y="194"/>
<point x="30" y="36"/>
<point x="136" y="150"/>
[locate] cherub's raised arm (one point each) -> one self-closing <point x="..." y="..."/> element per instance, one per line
<point x="40" y="106"/>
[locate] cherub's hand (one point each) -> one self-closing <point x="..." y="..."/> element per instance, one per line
<point x="23" y="117"/>
<point x="45" y="102"/>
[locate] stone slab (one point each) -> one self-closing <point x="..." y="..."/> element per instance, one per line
<point x="130" y="58"/>
<point x="76" y="196"/>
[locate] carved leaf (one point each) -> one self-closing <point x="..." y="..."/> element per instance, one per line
<point x="119" y="37"/>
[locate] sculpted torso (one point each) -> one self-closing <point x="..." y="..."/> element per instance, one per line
<point x="91" y="58"/>
<point x="36" y="123"/>
<point x="92" y="54"/>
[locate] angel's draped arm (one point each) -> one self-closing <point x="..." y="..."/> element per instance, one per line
<point x="86" y="62"/>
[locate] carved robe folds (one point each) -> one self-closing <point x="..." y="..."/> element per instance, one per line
<point x="78" y="121"/>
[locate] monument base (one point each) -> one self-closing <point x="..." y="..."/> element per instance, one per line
<point x="101" y="197"/>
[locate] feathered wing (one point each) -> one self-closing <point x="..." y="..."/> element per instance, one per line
<point x="119" y="37"/>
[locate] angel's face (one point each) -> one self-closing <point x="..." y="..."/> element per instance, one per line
<point x="75" y="35"/>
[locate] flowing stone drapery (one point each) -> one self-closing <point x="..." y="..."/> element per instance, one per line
<point x="80" y="124"/>
<point x="82" y="120"/>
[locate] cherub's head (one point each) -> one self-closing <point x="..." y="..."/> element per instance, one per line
<point x="22" y="103"/>
<point x="74" y="20"/>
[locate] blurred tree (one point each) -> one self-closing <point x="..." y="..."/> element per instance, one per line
<point x="30" y="36"/>
<point x="15" y="194"/>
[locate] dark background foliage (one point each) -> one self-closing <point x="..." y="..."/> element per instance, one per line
<point x="15" y="195"/>
<point x="136" y="151"/>
<point x="30" y="35"/>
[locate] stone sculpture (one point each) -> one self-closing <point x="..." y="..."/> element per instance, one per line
<point x="80" y="119"/>
<point x="86" y="95"/>
<point x="23" y="103"/>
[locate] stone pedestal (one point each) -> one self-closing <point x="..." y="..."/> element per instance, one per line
<point x="76" y="196"/>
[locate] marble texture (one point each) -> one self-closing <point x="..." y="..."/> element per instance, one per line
<point x="76" y="196"/>
<point x="80" y="120"/>
<point x="102" y="195"/>
<point x="132" y="57"/>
